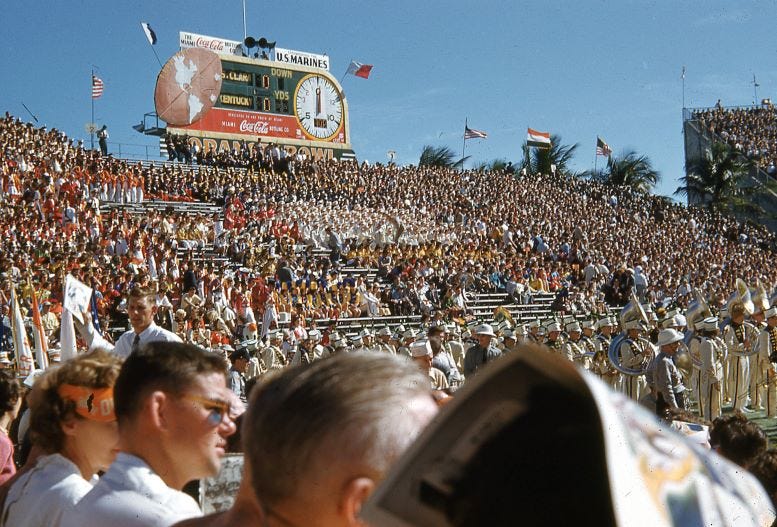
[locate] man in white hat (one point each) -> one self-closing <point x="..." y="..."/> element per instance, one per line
<point x="272" y="356"/>
<point x="666" y="378"/>
<point x="534" y="328"/>
<point x="481" y="353"/>
<point x="554" y="341"/>
<point x="572" y="348"/>
<point x="712" y="356"/>
<point x="758" y="319"/>
<point x="767" y="356"/>
<point x="384" y="338"/>
<point x="407" y="338"/>
<point x="740" y="337"/>
<point x="636" y="354"/>
<point x="602" y="365"/>
<point x="421" y="353"/>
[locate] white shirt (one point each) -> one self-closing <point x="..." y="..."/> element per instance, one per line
<point x="130" y="494"/>
<point x="123" y="347"/>
<point x="40" y="496"/>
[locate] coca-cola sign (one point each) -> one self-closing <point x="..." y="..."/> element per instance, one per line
<point x="257" y="127"/>
<point x="252" y="124"/>
<point x="217" y="45"/>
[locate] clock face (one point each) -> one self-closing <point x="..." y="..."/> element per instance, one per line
<point x="318" y="107"/>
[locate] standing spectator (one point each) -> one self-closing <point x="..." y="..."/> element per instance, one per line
<point x="102" y="139"/>
<point x="482" y="352"/>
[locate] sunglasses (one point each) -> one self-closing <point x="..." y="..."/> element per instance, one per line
<point x="217" y="410"/>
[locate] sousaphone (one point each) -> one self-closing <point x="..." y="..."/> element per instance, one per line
<point x="630" y="312"/>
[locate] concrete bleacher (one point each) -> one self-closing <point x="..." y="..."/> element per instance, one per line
<point x="481" y="305"/>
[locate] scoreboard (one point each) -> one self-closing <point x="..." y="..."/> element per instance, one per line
<point x="300" y="107"/>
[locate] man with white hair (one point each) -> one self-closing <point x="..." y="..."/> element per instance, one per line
<point x="374" y="403"/>
<point x="421" y="353"/>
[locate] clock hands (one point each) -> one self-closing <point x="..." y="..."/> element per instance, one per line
<point x="318" y="100"/>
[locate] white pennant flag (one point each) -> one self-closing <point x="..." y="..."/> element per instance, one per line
<point x="67" y="336"/>
<point x="21" y="343"/>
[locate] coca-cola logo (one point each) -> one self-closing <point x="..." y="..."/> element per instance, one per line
<point x="257" y="127"/>
<point x="209" y="43"/>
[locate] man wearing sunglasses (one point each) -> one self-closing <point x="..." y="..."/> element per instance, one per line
<point x="173" y="407"/>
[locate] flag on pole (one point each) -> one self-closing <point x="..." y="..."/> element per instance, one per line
<point x="95" y="314"/>
<point x="67" y="336"/>
<point x="682" y="75"/>
<point x="538" y="139"/>
<point x="602" y="148"/>
<point x="150" y="35"/>
<point x="471" y="133"/>
<point x="97" y="87"/>
<point x="39" y="336"/>
<point x="359" y="70"/>
<point x="21" y="344"/>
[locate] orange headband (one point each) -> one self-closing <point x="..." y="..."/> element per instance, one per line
<point x="92" y="403"/>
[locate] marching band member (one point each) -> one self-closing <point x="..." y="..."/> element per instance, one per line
<point x="739" y="337"/>
<point x="635" y="352"/>
<point x="713" y="354"/>
<point x="767" y="351"/>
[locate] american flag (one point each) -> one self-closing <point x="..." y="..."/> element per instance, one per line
<point x="602" y="148"/>
<point x="470" y="133"/>
<point x="97" y="87"/>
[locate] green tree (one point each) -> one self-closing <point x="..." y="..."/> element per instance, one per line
<point x="542" y="160"/>
<point x="491" y="166"/>
<point x="715" y="180"/>
<point x="440" y="156"/>
<point x="631" y="170"/>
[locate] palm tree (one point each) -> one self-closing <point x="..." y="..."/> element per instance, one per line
<point x="491" y="166"/>
<point x="715" y="180"/>
<point x="440" y="156"/>
<point x="560" y="155"/>
<point x="632" y="170"/>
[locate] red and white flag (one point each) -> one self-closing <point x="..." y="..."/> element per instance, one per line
<point x="360" y="70"/>
<point x="97" y="87"/>
<point x="471" y="133"/>
<point x="538" y="139"/>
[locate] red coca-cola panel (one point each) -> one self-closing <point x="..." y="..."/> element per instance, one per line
<point x="247" y="123"/>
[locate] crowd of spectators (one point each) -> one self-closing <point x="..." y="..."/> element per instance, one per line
<point x="751" y="131"/>
<point x="285" y="240"/>
<point x="295" y="241"/>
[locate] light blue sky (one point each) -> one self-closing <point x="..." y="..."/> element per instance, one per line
<point x="574" y="68"/>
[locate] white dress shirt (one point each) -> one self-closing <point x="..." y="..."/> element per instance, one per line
<point x="130" y="494"/>
<point x="123" y="347"/>
<point x="39" y="497"/>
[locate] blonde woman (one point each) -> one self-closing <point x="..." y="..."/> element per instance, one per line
<point x="73" y="424"/>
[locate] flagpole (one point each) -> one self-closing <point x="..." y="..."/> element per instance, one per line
<point x="464" y="145"/>
<point x="91" y="123"/>
<point x="155" y="54"/>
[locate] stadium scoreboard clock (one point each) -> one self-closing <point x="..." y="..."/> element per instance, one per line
<point x="300" y="107"/>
